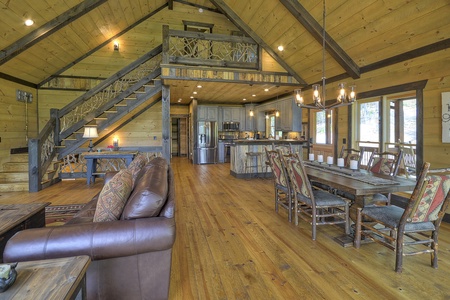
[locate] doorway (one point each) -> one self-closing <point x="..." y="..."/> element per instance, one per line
<point x="179" y="136"/>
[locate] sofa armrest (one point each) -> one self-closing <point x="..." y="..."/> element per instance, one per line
<point x="101" y="240"/>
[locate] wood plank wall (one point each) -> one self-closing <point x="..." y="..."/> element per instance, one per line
<point x="13" y="116"/>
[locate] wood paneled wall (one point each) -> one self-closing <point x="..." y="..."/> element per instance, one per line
<point x="14" y="116"/>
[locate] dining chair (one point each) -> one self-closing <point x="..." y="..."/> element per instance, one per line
<point x="283" y="192"/>
<point x="386" y="163"/>
<point x="349" y="154"/>
<point x="314" y="205"/>
<point x="415" y="226"/>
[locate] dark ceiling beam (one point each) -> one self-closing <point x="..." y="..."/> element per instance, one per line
<point x="47" y="29"/>
<point x="18" y="80"/>
<point x="316" y="30"/>
<point x="170" y="4"/>
<point x="59" y="72"/>
<point x="438" y="46"/>
<point x="237" y="21"/>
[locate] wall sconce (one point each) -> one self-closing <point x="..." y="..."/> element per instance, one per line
<point x="89" y="133"/>
<point x="116" y="46"/>
<point x="251" y="113"/>
<point x="277" y="114"/>
<point x="267" y="116"/>
<point x="116" y="143"/>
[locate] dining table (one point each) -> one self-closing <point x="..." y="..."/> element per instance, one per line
<point x="359" y="184"/>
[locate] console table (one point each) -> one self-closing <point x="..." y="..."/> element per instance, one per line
<point x="92" y="157"/>
<point x="61" y="278"/>
<point x="17" y="217"/>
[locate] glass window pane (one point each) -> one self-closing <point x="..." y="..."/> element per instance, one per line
<point x="409" y="115"/>
<point x="321" y="136"/>
<point x="368" y="122"/>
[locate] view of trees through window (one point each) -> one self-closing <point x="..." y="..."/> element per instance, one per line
<point x="321" y="132"/>
<point x="410" y="117"/>
<point x="369" y="115"/>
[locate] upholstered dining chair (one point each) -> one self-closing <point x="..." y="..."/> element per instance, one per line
<point x="415" y="226"/>
<point x="315" y="206"/>
<point x="283" y="192"/>
<point x="386" y="163"/>
<point x="351" y="154"/>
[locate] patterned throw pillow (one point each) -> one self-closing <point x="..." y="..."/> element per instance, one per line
<point x="113" y="197"/>
<point x="135" y="167"/>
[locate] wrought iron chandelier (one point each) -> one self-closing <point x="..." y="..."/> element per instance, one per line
<point x="319" y="98"/>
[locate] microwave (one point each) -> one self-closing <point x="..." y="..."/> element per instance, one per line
<point x="230" y="126"/>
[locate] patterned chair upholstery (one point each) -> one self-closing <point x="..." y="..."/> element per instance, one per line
<point x="416" y="225"/>
<point x="386" y="163"/>
<point x="351" y="154"/>
<point x="315" y="206"/>
<point x="283" y="193"/>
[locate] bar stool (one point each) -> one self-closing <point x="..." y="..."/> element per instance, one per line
<point x="253" y="161"/>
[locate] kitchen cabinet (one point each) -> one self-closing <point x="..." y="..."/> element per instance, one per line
<point x="290" y="118"/>
<point x="231" y="114"/>
<point x="250" y="122"/>
<point x="207" y="113"/>
<point x="221" y="151"/>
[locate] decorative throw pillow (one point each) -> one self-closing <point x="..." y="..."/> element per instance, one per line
<point x="113" y="197"/>
<point x="135" y="167"/>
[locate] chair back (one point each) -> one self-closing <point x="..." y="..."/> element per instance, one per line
<point x="297" y="175"/>
<point x="349" y="154"/>
<point x="285" y="148"/>
<point x="430" y="202"/>
<point x="279" y="172"/>
<point x="385" y="162"/>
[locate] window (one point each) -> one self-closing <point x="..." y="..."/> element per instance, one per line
<point x="324" y="121"/>
<point x="369" y="115"/>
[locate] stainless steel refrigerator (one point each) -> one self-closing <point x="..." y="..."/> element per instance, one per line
<point x="207" y="142"/>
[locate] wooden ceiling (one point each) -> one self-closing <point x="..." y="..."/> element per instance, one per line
<point x="73" y="37"/>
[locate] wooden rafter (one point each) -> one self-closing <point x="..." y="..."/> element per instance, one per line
<point x="315" y="29"/>
<point x="238" y="22"/>
<point x="47" y="29"/>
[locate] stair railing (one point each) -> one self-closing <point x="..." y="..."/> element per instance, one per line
<point x="72" y="117"/>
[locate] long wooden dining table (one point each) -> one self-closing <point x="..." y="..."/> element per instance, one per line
<point x="360" y="184"/>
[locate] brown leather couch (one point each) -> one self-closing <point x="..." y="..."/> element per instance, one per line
<point x="131" y="257"/>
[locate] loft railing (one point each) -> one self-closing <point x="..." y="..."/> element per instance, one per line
<point x="84" y="109"/>
<point x="207" y="49"/>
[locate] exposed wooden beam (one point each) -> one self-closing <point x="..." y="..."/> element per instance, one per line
<point x="316" y="30"/>
<point x="237" y="21"/>
<point x="438" y="46"/>
<point x="170" y="4"/>
<point x="47" y="29"/>
<point x="18" y="80"/>
<point x="102" y="45"/>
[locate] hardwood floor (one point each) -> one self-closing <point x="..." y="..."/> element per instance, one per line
<point x="231" y="244"/>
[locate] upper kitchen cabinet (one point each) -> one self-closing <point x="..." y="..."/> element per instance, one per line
<point x="207" y="113"/>
<point x="290" y="118"/>
<point x="250" y="121"/>
<point x="233" y="114"/>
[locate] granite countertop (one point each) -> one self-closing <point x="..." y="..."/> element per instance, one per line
<point x="268" y="141"/>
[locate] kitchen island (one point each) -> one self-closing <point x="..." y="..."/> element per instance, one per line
<point x="239" y="157"/>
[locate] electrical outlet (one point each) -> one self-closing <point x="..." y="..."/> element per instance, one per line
<point x="23" y="96"/>
<point x="344" y="141"/>
<point x="155" y="138"/>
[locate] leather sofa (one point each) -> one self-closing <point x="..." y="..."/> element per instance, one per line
<point x="131" y="257"/>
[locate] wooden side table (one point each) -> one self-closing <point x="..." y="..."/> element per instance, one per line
<point x="61" y="278"/>
<point x="17" y="217"/>
<point x="91" y="160"/>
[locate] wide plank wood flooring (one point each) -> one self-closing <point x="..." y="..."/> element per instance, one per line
<point x="231" y="244"/>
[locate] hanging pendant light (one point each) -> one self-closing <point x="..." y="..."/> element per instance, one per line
<point x="319" y="97"/>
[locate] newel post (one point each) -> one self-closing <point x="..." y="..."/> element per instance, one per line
<point x="34" y="153"/>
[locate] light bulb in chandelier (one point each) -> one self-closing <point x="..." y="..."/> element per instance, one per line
<point x="251" y="113"/>
<point x="316" y="93"/>
<point x="343" y="94"/>
<point x="352" y="97"/>
<point x="298" y="97"/>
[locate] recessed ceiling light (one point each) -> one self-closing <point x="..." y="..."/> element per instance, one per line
<point x="266" y="90"/>
<point x="280" y="48"/>
<point x="200" y="10"/>
<point x="192" y="97"/>
<point x="254" y="95"/>
<point x="29" y="22"/>
<point x="244" y="99"/>
<point x="194" y="92"/>
<point x="179" y="100"/>
<point x="199" y="86"/>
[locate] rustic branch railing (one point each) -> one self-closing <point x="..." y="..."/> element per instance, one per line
<point x="83" y="109"/>
<point x="207" y="49"/>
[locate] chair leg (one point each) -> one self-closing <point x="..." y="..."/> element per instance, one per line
<point x="296" y="210"/>
<point x="399" y="251"/>
<point x="276" y="199"/>
<point x="434" y="246"/>
<point x="357" y="239"/>
<point x="347" y="219"/>
<point x="289" y="198"/>
<point x="314" y="223"/>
